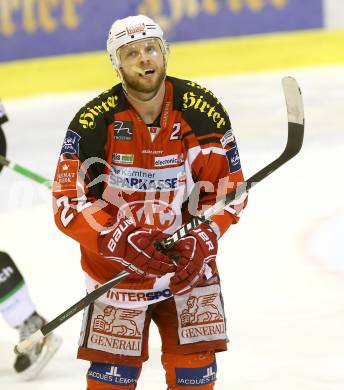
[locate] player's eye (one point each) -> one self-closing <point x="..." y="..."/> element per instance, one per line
<point x="151" y="50"/>
<point x="132" y="53"/>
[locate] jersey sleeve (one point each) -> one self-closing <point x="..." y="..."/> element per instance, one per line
<point x="3" y="116"/>
<point x="79" y="210"/>
<point x="3" y="145"/>
<point x="213" y="154"/>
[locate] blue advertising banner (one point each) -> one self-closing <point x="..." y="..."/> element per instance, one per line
<point x="37" y="28"/>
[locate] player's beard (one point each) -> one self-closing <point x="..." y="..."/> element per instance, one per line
<point x="136" y="84"/>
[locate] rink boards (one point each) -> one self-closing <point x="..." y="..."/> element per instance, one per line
<point x="261" y="53"/>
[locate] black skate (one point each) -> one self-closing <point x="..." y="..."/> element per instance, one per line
<point x="29" y="364"/>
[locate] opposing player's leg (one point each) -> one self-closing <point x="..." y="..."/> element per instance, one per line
<point x="30" y="364"/>
<point x="15" y="303"/>
<point x="20" y="313"/>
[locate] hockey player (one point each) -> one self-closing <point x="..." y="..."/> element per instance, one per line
<point x="137" y="162"/>
<point x="17" y="307"/>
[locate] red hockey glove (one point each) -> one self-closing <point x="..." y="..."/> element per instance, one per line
<point x="132" y="248"/>
<point x="195" y="250"/>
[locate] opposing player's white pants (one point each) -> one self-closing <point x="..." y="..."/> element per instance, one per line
<point x="18" y="307"/>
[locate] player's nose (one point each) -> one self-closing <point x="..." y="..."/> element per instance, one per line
<point x="144" y="57"/>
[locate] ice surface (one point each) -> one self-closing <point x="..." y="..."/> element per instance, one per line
<point x="282" y="266"/>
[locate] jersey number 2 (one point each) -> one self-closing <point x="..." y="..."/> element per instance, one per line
<point x="65" y="216"/>
<point x="176" y="132"/>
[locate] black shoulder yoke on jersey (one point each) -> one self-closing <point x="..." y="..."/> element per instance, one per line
<point x="89" y="128"/>
<point x="200" y="108"/>
<point x="101" y="109"/>
<point x="91" y="122"/>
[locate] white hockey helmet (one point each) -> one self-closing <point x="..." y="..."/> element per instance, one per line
<point x="131" y="29"/>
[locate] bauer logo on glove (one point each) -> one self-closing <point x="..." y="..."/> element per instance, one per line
<point x="133" y="249"/>
<point x="195" y="250"/>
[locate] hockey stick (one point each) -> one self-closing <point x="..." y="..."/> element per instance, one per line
<point x="296" y="121"/>
<point x="25" y="172"/>
<point x="294" y="143"/>
<point x="16" y="167"/>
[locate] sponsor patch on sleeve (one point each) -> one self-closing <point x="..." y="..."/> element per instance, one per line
<point x="113" y="374"/>
<point x="196" y="376"/>
<point x="233" y="159"/>
<point x="227" y="138"/>
<point x="71" y="143"/>
<point x="67" y="174"/>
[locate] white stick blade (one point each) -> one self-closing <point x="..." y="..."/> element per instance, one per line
<point x="293" y="99"/>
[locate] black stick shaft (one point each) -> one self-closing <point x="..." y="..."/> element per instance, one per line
<point x="84" y="302"/>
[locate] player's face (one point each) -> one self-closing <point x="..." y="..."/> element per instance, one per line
<point x="142" y="65"/>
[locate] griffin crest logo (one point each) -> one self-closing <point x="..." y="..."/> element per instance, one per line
<point x="117" y="322"/>
<point x="201" y="310"/>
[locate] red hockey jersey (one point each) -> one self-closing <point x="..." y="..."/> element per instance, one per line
<point x="112" y="165"/>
